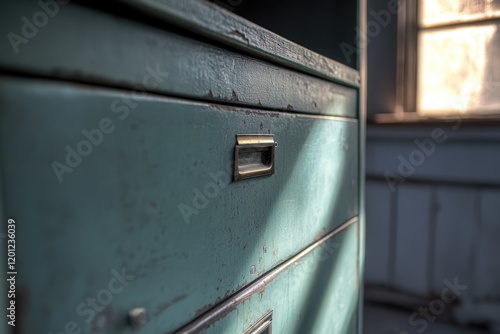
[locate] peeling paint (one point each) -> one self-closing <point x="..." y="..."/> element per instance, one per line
<point x="240" y="35"/>
<point x="234" y="97"/>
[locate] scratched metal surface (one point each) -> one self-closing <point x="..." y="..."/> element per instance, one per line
<point x="210" y="20"/>
<point x="86" y="45"/>
<point x="119" y="208"/>
<point x="314" y="292"/>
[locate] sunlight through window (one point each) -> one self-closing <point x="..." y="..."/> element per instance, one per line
<point x="438" y="12"/>
<point x="458" y="64"/>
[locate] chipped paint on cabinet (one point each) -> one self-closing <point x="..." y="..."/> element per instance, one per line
<point x="152" y="198"/>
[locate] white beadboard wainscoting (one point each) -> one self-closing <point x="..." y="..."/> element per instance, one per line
<point x="438" y="216"/>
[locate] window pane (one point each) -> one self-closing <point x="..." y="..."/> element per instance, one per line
<point x="449" y="11"/>
<point x="459" y="70"/>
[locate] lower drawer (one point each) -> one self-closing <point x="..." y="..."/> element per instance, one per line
<point x="126" y="201"/>
<point x="314" y="292"/>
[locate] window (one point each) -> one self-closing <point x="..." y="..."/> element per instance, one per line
<point x="451" y="62"/>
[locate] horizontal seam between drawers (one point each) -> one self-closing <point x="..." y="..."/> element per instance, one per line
<point x="226" y="307"/>
<point x="128" y="90"/>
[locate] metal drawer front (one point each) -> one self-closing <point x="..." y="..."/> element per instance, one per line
<point x="314" y="292"/>
<point x="128" y="200"/>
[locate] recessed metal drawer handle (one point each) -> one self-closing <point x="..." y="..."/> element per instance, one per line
<point x="253" y="156"/>
<point x="262" y="326"/>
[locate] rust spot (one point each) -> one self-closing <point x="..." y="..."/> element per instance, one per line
<point x="152" y="205"/>
<point x="262" y="113"/>
<point x="278" y="263"/>
<point x="222" y="107"/>
<point x="320" y="234"/>
<point x="234" y="97"/>
<point x="241" y="286"/>
<point x="162" y="307"/>
<point x="228" y="293"/>
<point x="204" y="309"/>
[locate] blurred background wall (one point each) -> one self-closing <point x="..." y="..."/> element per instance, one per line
<point x="432" y="201"/>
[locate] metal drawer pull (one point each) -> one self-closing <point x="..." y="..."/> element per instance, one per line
<point x="253" y="156"/>
<point x="262" y="326"/>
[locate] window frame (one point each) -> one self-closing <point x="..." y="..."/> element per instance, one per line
<point x="405" y="110"/>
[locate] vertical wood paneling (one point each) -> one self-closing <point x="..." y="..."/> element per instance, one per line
<point x="445" y="225"/>
<point x="456" y="231"/>
<point x="487" y="272"/>
<point x="412" y="239"/>
<point x="378" y="199"/>
<point x="431" y="256"/>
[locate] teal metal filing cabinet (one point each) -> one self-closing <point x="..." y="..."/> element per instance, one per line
<point x="174" y="168"/>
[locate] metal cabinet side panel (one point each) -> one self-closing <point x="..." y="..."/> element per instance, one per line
<point x="119" y="207"/>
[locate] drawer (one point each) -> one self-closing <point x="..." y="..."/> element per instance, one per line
<point x="149" y="195"/>
<point x="314" y="292"/>
<point x="114" y="50"/>
<point x="206" y="18"/>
